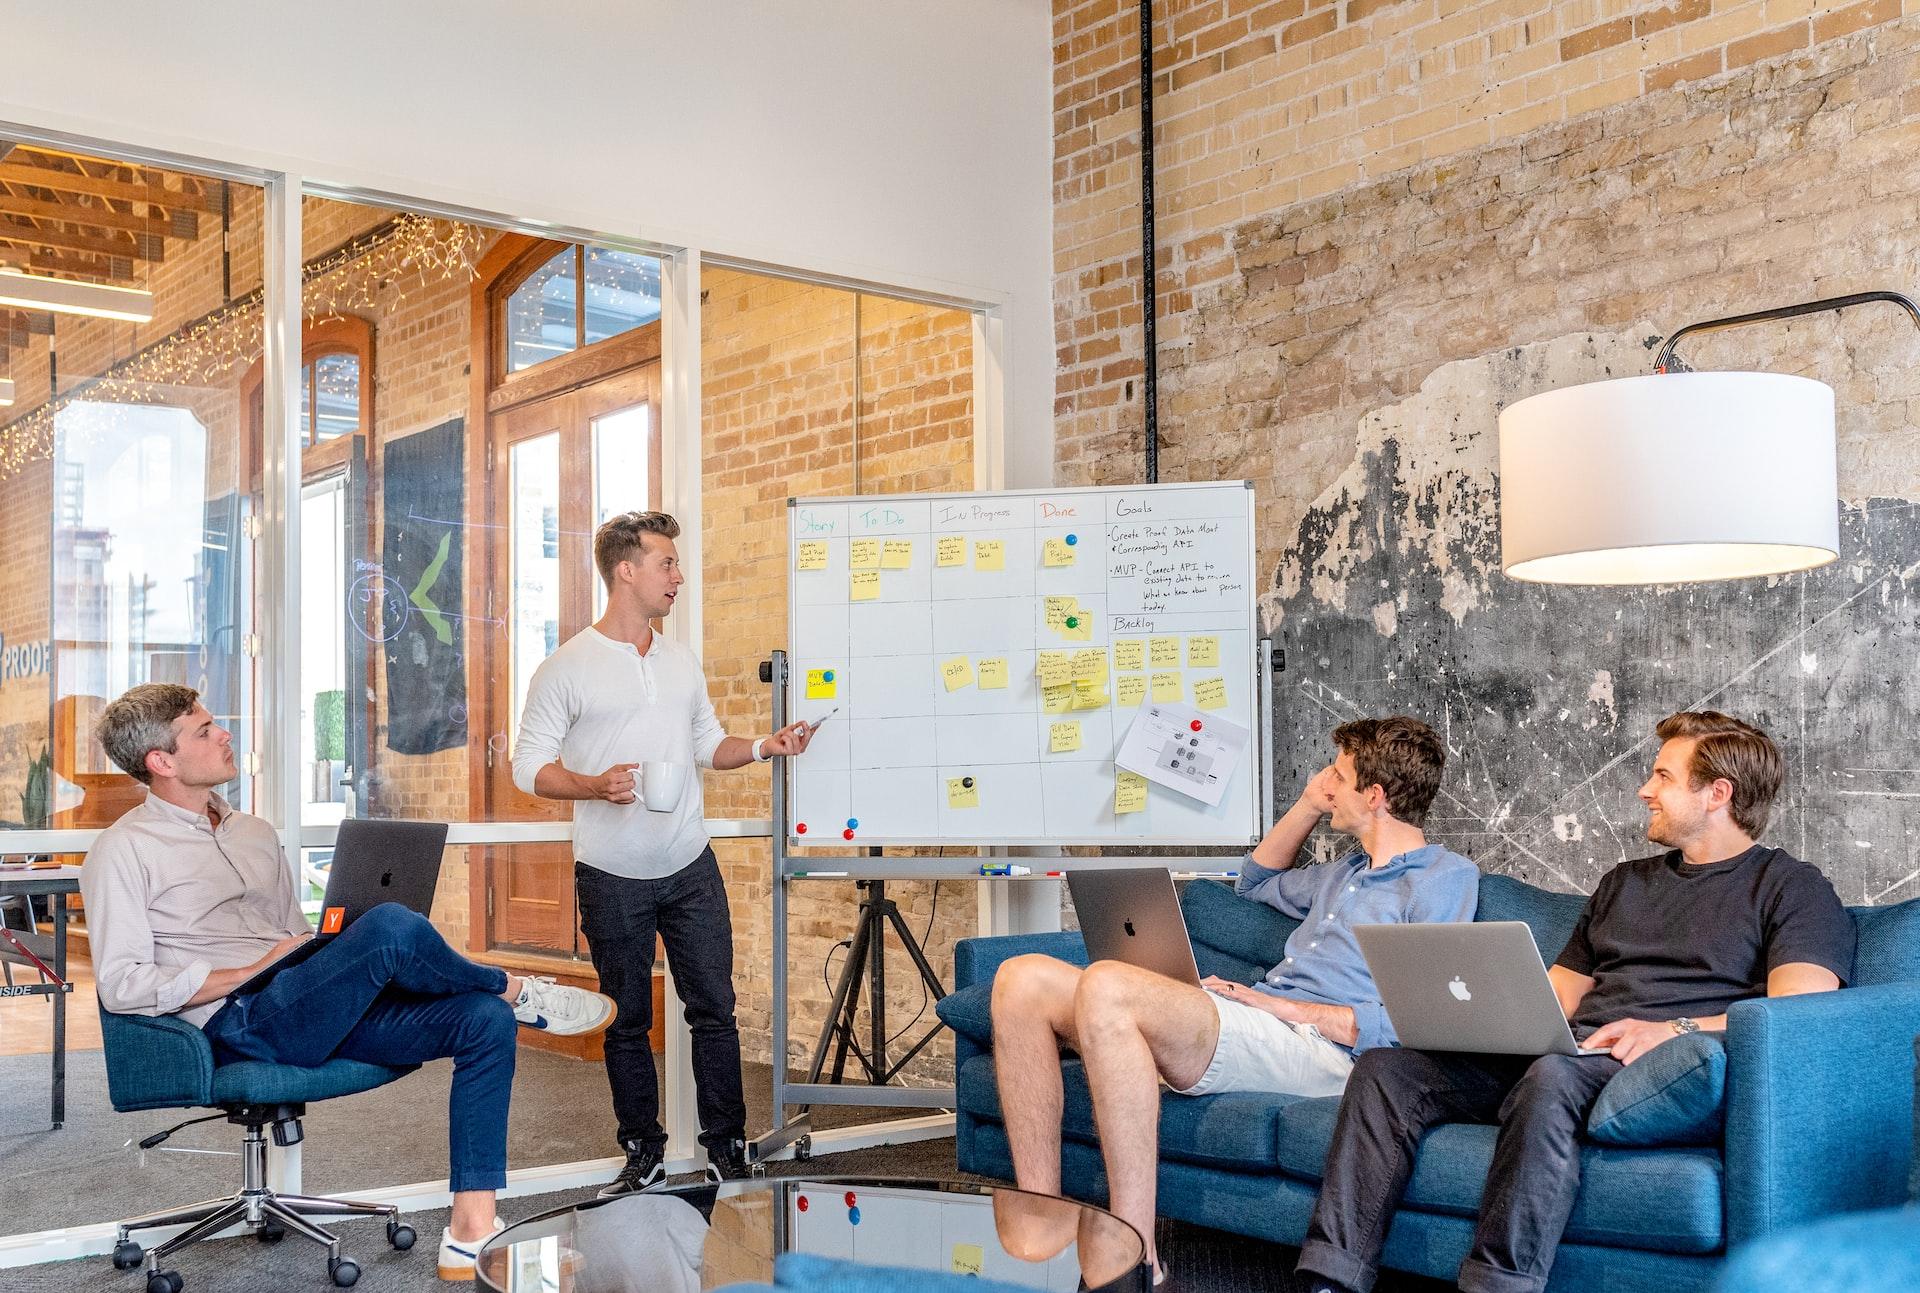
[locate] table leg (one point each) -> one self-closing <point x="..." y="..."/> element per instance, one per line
<point x="59" y="904"/>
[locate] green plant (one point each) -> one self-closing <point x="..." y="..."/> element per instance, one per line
<point x="330" y="725"/>
<point x="35" y="801"/>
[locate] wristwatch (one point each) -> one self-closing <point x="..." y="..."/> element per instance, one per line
<point x="1683" y="1025"/>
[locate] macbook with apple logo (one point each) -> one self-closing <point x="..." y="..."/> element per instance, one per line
<point x="1131" y="914"/>
<point x="1478" y="987"/>
<point x="373" y="862"/>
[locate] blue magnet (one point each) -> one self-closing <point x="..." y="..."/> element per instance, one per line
<point x="853" y="823"/>
<point x="828" y="675"/>
<point x="1072" y="539"/>
<point x="853" y="1216"/>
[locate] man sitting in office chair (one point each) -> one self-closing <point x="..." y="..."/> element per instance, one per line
<point x="1297" y="1031"/>
<point x="187" y="899"/>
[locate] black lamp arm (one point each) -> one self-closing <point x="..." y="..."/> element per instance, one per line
<point x="1668" y="362"/>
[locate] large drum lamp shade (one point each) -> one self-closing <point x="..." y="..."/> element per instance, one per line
<point x="1669" y="478"/>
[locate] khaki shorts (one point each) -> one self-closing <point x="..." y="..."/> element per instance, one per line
<point x="1260" y="1052"/>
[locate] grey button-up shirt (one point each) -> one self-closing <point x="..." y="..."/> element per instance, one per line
<point x="170" y="900"/>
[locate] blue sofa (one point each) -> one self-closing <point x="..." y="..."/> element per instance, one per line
<point x="1818" y="1118"/>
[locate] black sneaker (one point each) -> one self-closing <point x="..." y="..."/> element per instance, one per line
<point x="644" y="1170"/>
<point x="728" y="1162"/>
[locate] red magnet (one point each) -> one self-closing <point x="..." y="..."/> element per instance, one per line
<point x="800" y="829"/>
<point x="850" y="1198"/>
<point x="847" y="834"/>
<point x="802" y="1205"/>
<point x="1195" y="725"/>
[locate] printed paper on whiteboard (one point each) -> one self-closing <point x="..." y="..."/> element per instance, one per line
<point x="1184" y="749"/>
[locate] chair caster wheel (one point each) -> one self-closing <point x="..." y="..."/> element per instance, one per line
<point x="165" y="1282"/>
<point x="400" y="1235"/>
<point x="127" y="1255"/>
<point x="270" y="1233"/>
<point x="345" y="1272"/>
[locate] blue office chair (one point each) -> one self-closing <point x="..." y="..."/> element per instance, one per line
<point x="166" y="1063"/>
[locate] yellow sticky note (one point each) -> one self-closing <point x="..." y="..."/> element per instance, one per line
<point x="1054" y="669"/>
<point x="1129" y="791"/>
<point x="1064" y="737"/>
<point x="1089" y="695"/>
<point x="1167" y="687"/>
<point x="1130" y="655"/>
<point x="1090" y="664"/>
<point x="1210" y="693"/>
<point x="1078" y="628"/>
<point x="822" y="684"/>
<point x="969" y="1259"/>
<point x="813" y="555"/>
<point x="865" y="586"/>
<point x="1057" y="552"/>
<point x="1131" y="690"/>
<point x="1163" y="653"/>
<point x="963" y="792"/>
<point x="989" y="554"/>
<point x="863" y="554"/>
<point x="1056" y="700"/>
<point x="956" y="673"/>
<point x="897" y="554"/>
<point x="993" y="674"/>
<point x="1058" y="609"/>
<point x="950" y="550"/>
<point x="1203" y="653"/>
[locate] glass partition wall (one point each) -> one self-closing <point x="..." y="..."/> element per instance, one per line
<point x="467" y="401"/>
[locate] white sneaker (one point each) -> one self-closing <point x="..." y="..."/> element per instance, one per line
<point x="561" y="1010"/>
<point x="457" y="1256"/>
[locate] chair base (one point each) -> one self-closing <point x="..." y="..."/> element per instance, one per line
<point x="258" y="1207"/>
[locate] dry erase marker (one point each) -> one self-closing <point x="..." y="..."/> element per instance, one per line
<point x="814" y="726"/>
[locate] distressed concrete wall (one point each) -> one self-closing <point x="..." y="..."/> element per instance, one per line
<point x="1350" y="351"/>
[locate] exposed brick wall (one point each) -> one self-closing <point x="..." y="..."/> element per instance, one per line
<point x="778" y="386"/>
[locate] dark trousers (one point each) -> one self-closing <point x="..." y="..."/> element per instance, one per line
<point x="688" y="910"/>
<point x="388" y="990"/>
<point x="1394" y="1096"/>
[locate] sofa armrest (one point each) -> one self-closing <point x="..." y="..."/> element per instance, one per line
<point x="977" y="960"/>
<point x="156" y="1062"/>
<point x="1819" y="1105"/>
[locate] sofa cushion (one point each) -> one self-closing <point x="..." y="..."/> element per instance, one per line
<point x="969" y="1012"/>
<point x="1887" y="947"/>
<point x="257" y="1082"/>
<point x="1235" y="1130"/>
<point x="1666" y="1200"/>
<point x="1549" y="915"/>
<point x="1675" y="1094"/>
<point x="1232" y="937"/>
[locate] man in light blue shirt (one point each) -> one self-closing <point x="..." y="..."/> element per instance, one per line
<point x="1296" y="1031"/>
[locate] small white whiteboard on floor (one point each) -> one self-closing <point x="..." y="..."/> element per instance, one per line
<point x="986" y="654"/>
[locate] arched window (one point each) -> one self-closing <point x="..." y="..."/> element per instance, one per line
<point x="546" y="315"/>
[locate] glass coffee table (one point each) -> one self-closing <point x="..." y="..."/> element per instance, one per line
<point x="690" y="1238"/>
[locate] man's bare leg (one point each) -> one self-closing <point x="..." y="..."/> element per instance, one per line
<point x="1032" y="1015"/>
<point x="1136" y="1027"/>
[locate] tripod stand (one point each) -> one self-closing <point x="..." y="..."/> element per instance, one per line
<point x="866" y="954"/>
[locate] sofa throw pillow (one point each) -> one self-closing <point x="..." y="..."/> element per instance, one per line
<point x="969" y="1012"/>
<point x="1675" y="1094"/>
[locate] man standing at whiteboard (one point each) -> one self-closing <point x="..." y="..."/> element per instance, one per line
<point x="615" y="697"/>
<point x="1296" y="1031"/>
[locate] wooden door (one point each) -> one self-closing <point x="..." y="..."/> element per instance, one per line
<point x="559" y="466"/>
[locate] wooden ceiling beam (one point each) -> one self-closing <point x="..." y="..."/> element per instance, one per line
<point x="138" y="246"/>
<point x="15" y="171"/>
<point x="178" y="224"/>
<point x="106" y="269"/>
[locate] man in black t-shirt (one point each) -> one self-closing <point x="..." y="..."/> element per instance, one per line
<point x="1662" y="948"/>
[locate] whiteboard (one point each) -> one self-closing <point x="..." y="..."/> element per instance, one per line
<point x="889" y="595"/>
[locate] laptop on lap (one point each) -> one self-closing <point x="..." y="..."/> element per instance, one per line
<point x="1132" y="915"/>
<point x="1479" y="987"/>
<point x="373" y="862"/>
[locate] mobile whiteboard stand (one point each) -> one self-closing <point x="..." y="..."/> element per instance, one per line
<point x="796" y="1130"/>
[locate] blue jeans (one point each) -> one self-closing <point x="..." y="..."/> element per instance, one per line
<point x="388" y="990"/>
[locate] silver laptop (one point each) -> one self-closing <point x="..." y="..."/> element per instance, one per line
<point x="1476" y="986"/>
<point x="1132" y="915"/>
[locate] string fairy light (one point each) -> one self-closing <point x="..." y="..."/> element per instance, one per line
<point x="408" y="251"/>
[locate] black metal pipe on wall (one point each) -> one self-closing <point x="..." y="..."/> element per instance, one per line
<point x="1149" y="306"/>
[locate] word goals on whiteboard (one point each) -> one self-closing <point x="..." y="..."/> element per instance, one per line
<point x="981" y="657"/>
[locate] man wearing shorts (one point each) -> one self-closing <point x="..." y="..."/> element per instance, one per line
<point x="1296" y="1031"/>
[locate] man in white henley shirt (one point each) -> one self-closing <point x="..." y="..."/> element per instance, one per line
<point x="613" y="697"/>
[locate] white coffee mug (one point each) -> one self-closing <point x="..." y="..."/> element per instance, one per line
<point x="661" y="784"/>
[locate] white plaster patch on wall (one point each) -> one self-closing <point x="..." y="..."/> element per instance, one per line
<point x="1600" y="701"/>
<point x="1810" y="663"/>
<point x="1445" y="438"/>
<point x="1385" y="620"/>
<point x="1566" y="828"/>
